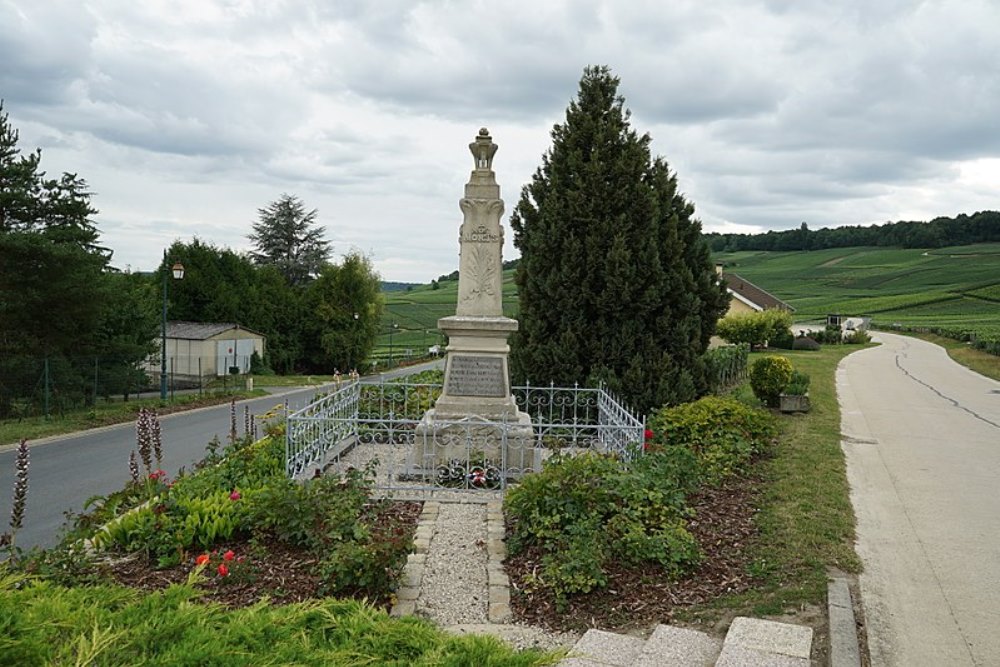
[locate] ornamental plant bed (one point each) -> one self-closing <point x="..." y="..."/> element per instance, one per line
<point x="636" y="596"/>
<point x="255" y="569"/>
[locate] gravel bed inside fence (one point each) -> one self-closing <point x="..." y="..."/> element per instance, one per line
<point x="454" y="587"/>
<point x="391" y="461"/>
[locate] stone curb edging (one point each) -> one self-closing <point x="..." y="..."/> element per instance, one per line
<point x="496" y="552"/>
<point x="413" y="572"/>
<point x="845" y="650"/>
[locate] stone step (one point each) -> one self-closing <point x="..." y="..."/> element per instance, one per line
<point x="668" y="645"/>
<point x="753" y="642"/>
<point x="750" y="642"/>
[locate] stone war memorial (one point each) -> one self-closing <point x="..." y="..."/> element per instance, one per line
<point x="476" y="401"/>
<point x="474" y="431"/>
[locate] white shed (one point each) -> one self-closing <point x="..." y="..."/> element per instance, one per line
<point x="200" y="349"/>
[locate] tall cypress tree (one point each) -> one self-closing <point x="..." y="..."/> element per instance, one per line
<point x="615" y="282"/>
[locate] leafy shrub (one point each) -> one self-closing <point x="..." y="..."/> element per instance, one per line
<point x="167" y="527"/>
<point x="798" y="385"/>
<point x="722" y="434"/>
<point x="769" y="376"/>
<point x="805" y="343"/>
<point x="754" y="329"/>
<point x="831" y="335"/>
<point x="316" y="514"/>
<point x="368" y="567"/>
<point x="782" y="339"/>
<point x="857" y="337"/>
<point x="586" y="510"/>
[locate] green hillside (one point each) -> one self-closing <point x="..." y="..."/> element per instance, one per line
<point x="415" y="313"/>
<point x="956" y="287"/>
<point x="945" y="287"/>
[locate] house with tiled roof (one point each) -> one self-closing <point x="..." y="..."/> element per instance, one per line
<point x="745" y="297"/>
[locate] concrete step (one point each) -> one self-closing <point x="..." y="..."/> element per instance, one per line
<point x="599" y="648"/>
<point x="752" y="642"/>
<point x="667" y="645"/>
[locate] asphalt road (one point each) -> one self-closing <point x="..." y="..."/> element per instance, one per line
<point x="922" y="439"/>
<point x="67" y="470"/>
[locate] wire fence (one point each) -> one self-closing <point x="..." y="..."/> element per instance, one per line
<point x="52" y="386"/>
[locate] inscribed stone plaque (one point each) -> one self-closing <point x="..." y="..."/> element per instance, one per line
<point x="475" y="375"/>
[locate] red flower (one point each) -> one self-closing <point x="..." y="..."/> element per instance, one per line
<point x="235" y="495"/>
<point x="229" y="555"/>
<point x="223" y="570"/>
<point x="201" y="560"/>
<point x="648" y="434"/>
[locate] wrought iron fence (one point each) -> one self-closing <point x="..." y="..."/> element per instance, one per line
<point x="382" y="426"/>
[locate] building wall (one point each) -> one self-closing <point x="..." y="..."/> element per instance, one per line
<point x="737" y="307"/>
<point x="190" y="358"/>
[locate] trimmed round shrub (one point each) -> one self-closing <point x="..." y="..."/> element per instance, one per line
<point x="723" y="434"/>
<point x="805" y="343"/>
<point x="768" y="378"/>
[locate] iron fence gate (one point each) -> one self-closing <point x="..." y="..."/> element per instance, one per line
<point x="381" y="426"/>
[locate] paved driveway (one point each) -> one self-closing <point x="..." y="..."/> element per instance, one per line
<point x="922" y="439"/>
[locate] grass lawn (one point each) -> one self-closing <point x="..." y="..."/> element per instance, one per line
<point x="983" y="363"/>
<point x="106" y="414"/>
<point x="806" y="519"/>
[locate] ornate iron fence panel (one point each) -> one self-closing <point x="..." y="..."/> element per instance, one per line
<point x="327" y="422"/>
<point x="381" y="426"/>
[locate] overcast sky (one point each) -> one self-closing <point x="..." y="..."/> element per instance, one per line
<point x="186" y="116"/>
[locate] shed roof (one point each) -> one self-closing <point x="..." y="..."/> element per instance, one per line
<point x="202" y="330"/>
<point x="742" y="287"/>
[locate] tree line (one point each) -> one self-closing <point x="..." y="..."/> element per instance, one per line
<point x="981" y="227"/>
<point x="61" y="300"/>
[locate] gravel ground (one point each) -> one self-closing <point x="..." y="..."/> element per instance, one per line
<point x="521" y="636"/>
<point x="454" y="588"/>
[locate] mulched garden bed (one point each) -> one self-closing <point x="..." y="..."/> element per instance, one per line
<point x="723" y="525"/>
<point x="269" y="568"/>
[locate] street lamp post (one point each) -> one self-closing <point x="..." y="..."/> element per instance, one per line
<point x="354" y="340"/>
<point x="391" y="330"/>
<point x="178" y="272"/>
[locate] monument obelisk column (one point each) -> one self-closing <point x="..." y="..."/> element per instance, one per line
<point x="477" y="376"/>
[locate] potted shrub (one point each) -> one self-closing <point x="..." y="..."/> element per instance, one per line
<point x="795" y="397"/>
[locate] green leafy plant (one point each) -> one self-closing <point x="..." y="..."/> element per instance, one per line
<point x="722" y="434"/>
<point x="586" y="510"/>
<point x="769" y="376"/>
<point x="756" y="328"/>
<point x="798" y="385"/>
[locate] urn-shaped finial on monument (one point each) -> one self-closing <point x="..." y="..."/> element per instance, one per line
<point x="480" y="266"/>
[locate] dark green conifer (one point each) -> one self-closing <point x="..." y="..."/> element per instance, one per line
<point x="615" y="282"/>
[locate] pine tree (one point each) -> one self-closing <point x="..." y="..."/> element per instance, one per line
<point x="51" y="266"/>
<point x="284" y="236"/>
<point x="615" y="283"/>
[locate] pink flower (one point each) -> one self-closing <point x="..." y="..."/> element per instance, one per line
<point x="235" y="495"/>
<point x="223" y="570"/>
<point x="201" y="560"/>
<point x="229" y="555"/>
